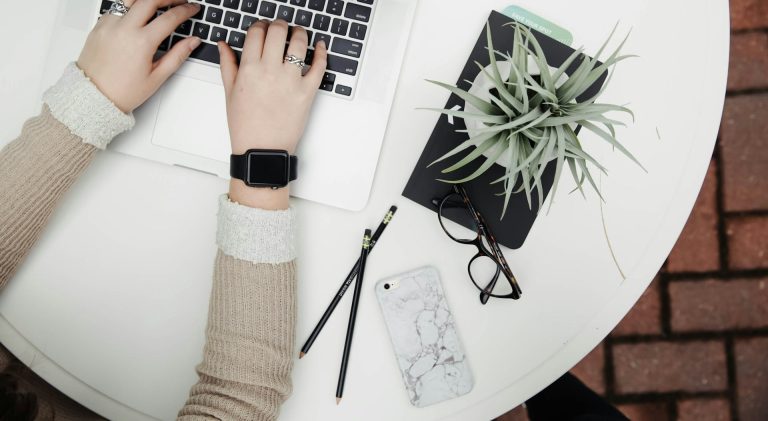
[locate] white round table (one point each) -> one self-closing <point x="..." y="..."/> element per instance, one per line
<point x="110" y="306"/>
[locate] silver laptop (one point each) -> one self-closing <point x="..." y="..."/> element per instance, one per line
<point x="185" y="123"/>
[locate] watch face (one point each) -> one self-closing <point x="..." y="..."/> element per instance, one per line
<point x="268" y="168"/>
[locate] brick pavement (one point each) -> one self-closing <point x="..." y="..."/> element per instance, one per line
<point x="695" y="347"/>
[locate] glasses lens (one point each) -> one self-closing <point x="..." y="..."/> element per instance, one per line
<point x="482" y="271"/>
<point x="455" y="218"/>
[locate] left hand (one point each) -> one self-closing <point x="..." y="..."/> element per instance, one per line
<point x="119" y="53"/>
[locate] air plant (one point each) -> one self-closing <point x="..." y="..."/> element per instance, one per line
<point x="529" y="120"/>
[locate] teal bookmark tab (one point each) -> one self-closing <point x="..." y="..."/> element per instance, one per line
<point x="540" y="24"/>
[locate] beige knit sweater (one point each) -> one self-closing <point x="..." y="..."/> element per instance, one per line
<point x="248" y="355"/>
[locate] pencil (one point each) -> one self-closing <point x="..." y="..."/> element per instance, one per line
<point x="345" y="285"/>
<point x="353" y="315"/>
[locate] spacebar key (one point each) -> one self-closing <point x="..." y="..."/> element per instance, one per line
<point x="342" y="65"/>
<point x="206" y="52"/>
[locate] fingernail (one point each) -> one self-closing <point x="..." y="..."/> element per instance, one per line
<point x="321" y="43"/>
<point x="194" y="43"/>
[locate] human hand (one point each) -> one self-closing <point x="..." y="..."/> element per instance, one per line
<point x="268" y="101"/>
<point x="119" y="53"/>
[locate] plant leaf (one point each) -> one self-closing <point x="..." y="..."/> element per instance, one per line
<point x="476" y="102"/>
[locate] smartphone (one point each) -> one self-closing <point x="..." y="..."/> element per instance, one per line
<point x="424" y="337"/>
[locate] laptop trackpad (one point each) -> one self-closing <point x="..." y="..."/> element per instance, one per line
<point x="193" y="119"/>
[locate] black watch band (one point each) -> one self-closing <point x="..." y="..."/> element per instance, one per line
<point x="264" y="168"/>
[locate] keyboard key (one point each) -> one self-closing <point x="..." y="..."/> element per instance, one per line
<point x="342" y="65"/>
<point x="317" y="4"/>
<point x="329" y="77"/>
<point x="309" y="36"/>
<point x="357" y="31"/>
<point x="366" y="1"/>
<point x="322" y="22"/>
<point x="327" y="86"/>
<point x="202" y="30"/>
<point x="207" y="52"/>
<point x="200" y="15"/>
<point x="236" y="39"/>
<point x="285" y="13"/>
<point x="358" y="12"/>
<point x="335" y="7"/>
<point x="231" y="4"/>
<point x="185" y="28"/>
<point x="343" y="90"/>
<point x="247" y="22"/>
<point x="303" y="18"/>
<point x="214" y="15"/>
<point x="175" y="40"/>
<point x="218" y="34"/>
<point x="165" y="45"/>
<point x="347" y="47"/>
<point x="105" y="6"/>
<point x="339" y="26"/>
<point x="232" y="19"/>
<point x="216" y="2"/>
<point x="267" y="9"/>
<point x="324" y="37"/>
<point x="309" y="57"/>
<point x="300" y="3"/>
<point x="249" y="6"/>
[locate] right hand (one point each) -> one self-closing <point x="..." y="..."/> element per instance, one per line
<point x="268" y="100"/>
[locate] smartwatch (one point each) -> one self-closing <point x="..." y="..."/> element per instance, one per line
<point x="264" y="168"/>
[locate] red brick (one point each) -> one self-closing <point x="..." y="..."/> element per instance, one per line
<point x="719" y="305"/>
<point x="517" y="414"/>
<point x="590" y="370"/>
<point x="645" y="317"/>
<point x="703" y="410"/>
<point x="749" y="61"/>
<point x="695" y="366"/>
<point x="744" y="149"/>
<point x="752" y="378"/>
<point x="749" y="14"/>
<point x="697" y="249"/>
<point x="748" y="242"/>
<point x="654" y="411"/>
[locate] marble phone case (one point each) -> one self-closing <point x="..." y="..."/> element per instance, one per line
<point x="424" y="337"/>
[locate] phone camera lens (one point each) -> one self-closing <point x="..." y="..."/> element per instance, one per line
<point x="386" y="286"/>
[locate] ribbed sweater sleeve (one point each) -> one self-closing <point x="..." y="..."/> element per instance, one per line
<point x="248" y="355"/>
<point x="36" y="170"/>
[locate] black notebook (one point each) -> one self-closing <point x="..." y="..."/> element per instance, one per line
<point x="423" y="186"/>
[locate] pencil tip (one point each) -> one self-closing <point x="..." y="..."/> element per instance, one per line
<point x="338" y="400"/>
<point x="302" y="354"/>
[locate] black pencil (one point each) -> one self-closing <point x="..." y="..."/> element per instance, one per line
<point x="353" y="316"/>
<point x="345" y="285"/>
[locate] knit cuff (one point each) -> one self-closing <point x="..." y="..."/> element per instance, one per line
<point x="255" y="235"/>
<point x="76" y="102"/>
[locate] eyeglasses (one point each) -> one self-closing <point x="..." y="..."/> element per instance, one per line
<point x="489" y="263"/>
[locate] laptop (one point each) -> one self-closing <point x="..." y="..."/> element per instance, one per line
<point x="185" y="123"/>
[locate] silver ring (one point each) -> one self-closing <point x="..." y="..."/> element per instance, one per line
<point x="118" y="8"/>
<point x="295" y="60"/>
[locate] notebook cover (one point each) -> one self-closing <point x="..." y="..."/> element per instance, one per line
<point x="423" y="186"/>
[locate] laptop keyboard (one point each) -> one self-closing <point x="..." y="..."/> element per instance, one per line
<point x="344" y="25"/>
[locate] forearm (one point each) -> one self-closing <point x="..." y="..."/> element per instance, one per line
<point x="36" y="170"/>
<point x="248" y="355"/>
<point x="40" y="166"/>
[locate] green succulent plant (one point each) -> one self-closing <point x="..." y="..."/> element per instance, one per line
<point x="529" y="120"/>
